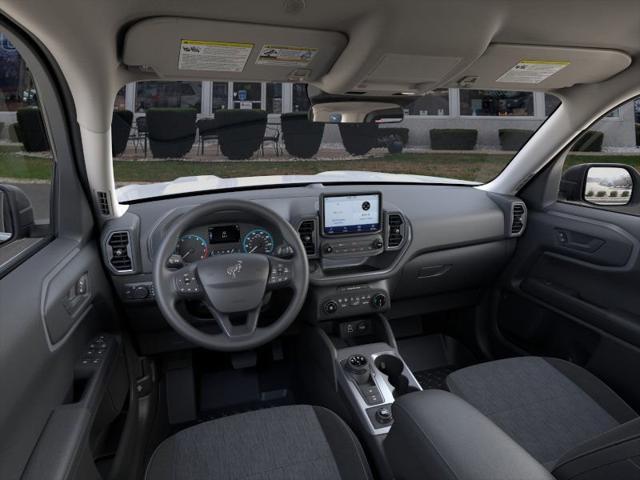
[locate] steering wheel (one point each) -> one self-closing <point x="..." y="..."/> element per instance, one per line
<point x="232" y="286"/>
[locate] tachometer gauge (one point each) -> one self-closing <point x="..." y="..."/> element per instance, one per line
<point x="191" y="248"/>
<point x="258" y="241"/>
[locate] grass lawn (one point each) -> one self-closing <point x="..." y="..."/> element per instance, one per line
<point x="479" y="167"/>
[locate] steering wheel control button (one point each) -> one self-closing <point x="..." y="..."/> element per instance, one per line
<point x="187" y="284"/>
<point x="280" y="274"/>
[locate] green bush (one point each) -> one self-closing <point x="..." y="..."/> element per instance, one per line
<point x="301" y="137"/>
<point x="453" y="138"/>
<point x="613" y="193"/>
<point x="601" y="193"/>
<point x="589" y="141"/>
<point x="240" y="132"/>
<point x="638" y="134"/>
<point x="172" y="131"/>
<point x="120" y="128"/>
<point x="513" y="138"/>
<point x="625" y="193"/>
<point x="589" y="193"/>
<point x="32" y="132"/>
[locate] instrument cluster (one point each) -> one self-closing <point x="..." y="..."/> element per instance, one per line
<point x="207" y="241"/>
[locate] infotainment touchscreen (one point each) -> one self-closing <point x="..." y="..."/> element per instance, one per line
<point x="349" y="214"/>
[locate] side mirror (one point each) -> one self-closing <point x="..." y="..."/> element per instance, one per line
<point x="16" y="213"/>
<point x="599" y="184"/>
<point x="356" y="112"/>
<point x="608" y="186"/>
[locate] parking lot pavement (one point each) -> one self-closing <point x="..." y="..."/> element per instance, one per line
<point x="39" y="194"/>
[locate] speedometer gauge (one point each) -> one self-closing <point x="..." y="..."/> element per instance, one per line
<point x="258" y="241"/>
<point x="191" y="248"/>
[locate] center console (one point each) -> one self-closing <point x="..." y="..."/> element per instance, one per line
<point x="372" y="377"/>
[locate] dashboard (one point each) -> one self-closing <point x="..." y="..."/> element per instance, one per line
<point x="397" y="248"/>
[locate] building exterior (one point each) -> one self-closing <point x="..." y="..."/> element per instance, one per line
<point x="485" y="111"/>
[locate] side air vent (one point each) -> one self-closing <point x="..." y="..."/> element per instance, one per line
<point x="119" y="252"/>
<point x="518" y="218"/>
<point x="307" y="231"/>
<point x="103" y="203"/>
<point x="396" y="231"/>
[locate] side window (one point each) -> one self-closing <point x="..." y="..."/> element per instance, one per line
<point x="26" y="160"/>
<point x="601" y="170"/>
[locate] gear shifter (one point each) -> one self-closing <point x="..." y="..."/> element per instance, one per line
<point x="358" y="366"/>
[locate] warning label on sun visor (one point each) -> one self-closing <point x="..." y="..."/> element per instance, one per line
<point x="532" y="71"/>
<point x="213" y="56"/>
<point x="286" y="55"/>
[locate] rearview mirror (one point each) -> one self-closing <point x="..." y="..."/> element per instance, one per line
<point x="356" y="112"/>
<point x="608" y="186"/>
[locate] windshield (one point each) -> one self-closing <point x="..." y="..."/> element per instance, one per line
<point x="176" y="137"/>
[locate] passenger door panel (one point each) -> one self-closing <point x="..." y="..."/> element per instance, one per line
<point x="572" y="291"/>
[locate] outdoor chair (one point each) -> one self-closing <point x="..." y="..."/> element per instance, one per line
<point x="207" y="130"/>
<point x="272" y="134"/>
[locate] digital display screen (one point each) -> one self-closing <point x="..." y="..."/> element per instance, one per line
<point x="351" y="214"/>
<point x="224" y="234"/>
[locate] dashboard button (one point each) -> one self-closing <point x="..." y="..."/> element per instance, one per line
<point x="330" y="307"/>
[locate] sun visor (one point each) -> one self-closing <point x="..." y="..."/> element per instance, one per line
<point x="191" y="48"/>
<point x="527" y="67"/>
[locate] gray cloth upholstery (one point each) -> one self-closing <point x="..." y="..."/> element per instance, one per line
<point x="285" y="443"/>
<point x="437" y="435"/>
<point x="538" y="403"/>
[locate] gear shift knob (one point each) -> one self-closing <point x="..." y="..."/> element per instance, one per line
<point x="358" y="366"/>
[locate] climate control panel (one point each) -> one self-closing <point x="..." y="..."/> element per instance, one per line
<point x="354" y="300"/>
<point x="366" y="246"/>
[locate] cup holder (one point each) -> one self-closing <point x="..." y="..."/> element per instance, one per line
<point x="393" y="367"/>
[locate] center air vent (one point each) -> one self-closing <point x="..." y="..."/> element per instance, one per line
<point x="119" y="252"/>
<point x="518" y="218"/>
<point x="395" y="231"/>
<point x="307" y="231"/>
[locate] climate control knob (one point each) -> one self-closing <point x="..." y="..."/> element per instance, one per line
<point x="330" y="307"/>
<point x="379" y="300"/>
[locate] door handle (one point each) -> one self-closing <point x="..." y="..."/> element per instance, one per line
<point x="578" y="241"/>
<point x="78" y="295"/>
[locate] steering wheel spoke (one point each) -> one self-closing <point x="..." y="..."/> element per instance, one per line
<point x="280" y="273"/>
<point x="235" y="330"/>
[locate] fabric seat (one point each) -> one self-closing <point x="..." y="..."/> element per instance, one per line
<point x="293" y="442"/>
<point x="548" y="406"/>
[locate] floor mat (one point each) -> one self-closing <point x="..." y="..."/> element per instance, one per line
<point x="434" y="377"/>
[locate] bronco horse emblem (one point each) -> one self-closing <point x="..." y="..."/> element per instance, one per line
<point x="234" y="270"/>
